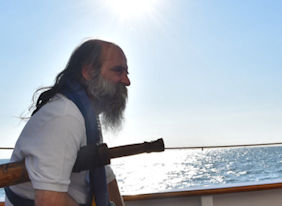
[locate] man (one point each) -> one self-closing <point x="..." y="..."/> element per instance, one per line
<point x="66" y="118"/>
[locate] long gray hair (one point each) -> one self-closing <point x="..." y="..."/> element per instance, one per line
<point x="88" y="53"/>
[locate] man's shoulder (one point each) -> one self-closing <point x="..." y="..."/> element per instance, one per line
<point x="60" y="105"/>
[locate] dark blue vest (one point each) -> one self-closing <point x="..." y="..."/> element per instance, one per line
<point x="98" y="185"/>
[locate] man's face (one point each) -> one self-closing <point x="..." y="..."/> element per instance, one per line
<point x="114" y="65"/>
<point x="108" y="88"/>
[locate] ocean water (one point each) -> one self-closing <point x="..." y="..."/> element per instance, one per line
<point x="185" y="169"/>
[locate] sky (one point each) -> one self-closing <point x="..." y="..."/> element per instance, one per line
<point x="202" y="72"/>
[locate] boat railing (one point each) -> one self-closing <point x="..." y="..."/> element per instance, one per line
<point x="203" y="147"/>
<point x="225" y="146"/>
<point x="6" y="148"/>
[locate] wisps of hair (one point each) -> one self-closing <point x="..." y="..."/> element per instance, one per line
<point x="88" y="53"/>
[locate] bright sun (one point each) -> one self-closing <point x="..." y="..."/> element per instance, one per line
<point x="126" y="9"/>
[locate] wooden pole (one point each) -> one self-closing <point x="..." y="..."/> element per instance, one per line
<point x="15" y="172"/>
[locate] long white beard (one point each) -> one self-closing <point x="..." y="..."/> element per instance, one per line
<point x="109" y="99"/>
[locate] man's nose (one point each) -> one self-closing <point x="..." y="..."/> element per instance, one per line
<point x="125" y="80"/>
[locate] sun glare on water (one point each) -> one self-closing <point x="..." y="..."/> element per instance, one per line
<point x="128" y="9"/>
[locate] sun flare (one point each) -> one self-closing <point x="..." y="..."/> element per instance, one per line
<point x="127" y="9"/>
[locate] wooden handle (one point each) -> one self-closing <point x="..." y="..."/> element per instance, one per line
<point x="15" y="172"/>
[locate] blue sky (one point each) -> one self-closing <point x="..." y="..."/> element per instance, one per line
<point x="202" y="72"/>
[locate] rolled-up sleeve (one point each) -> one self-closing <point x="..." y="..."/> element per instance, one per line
<point x="51" y="154"/>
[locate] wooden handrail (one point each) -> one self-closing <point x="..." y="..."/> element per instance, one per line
<point x="200" y="192"/>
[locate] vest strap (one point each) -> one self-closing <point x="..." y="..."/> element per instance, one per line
<point x="17" y="200"/>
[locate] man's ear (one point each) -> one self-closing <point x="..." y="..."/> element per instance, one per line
<point x="85" y="71"/>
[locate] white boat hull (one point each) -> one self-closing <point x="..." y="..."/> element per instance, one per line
<point x="252" y="195"/>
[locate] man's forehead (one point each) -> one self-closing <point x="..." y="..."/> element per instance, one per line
<point x="109" y="50"/>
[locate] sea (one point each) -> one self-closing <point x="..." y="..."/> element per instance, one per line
<point x="176" y="170"/>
